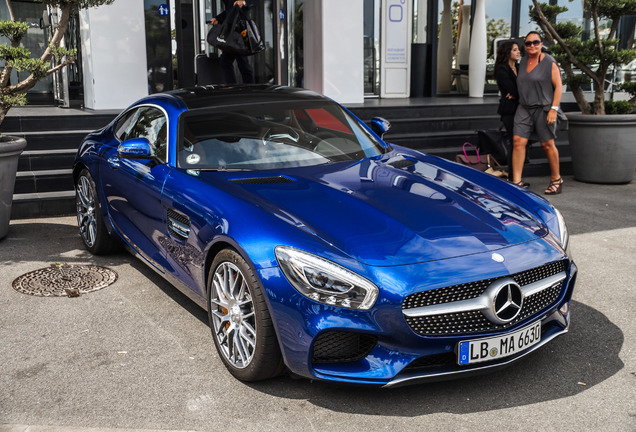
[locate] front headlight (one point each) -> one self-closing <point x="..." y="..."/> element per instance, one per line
<point x="324" y="281"/>
<point x="563" y="230"/>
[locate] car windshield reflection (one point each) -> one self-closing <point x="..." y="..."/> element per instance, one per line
<point x="272" y="136"/>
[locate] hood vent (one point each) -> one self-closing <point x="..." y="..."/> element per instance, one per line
<point x="263" y="180"/>
<point x="401" y="162"/>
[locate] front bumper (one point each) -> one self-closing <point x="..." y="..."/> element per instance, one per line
<point x="397" y="355"/>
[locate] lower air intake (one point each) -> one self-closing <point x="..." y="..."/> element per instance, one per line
<point x="340" y="347"/>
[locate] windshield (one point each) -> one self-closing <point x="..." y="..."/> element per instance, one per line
<point x="272" y="136"/>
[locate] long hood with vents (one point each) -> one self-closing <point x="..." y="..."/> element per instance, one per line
<point x="394" y="210"/>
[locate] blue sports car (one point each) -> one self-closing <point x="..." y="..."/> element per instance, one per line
<point x="317" y="248"/>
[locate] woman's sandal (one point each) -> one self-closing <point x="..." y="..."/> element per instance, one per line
<point x="555" y="186"/>
<point x="522" y="184"/>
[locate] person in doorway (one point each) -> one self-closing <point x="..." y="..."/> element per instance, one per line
<point x="540" y="88"/>
<point x="227" y="59"/>
<point x="506" y="69"/>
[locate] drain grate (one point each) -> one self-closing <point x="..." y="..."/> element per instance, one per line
<point x="65" y="280"/>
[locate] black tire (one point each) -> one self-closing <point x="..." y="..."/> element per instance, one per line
<point x="89" y="217"/>
<point x="241" y="325"/>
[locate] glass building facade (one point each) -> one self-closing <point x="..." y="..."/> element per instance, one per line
<point x="174" y="40"/>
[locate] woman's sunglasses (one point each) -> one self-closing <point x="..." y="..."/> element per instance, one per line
<point x="535" y="42"/>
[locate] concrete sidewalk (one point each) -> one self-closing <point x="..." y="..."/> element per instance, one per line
<point x="138" y="355"/>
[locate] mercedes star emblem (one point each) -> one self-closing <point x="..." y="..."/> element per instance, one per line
<point x="506" y="299"/>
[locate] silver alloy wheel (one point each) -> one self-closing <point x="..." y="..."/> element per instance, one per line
<point x="86" y="211"/>
<point x="233" y="315"/>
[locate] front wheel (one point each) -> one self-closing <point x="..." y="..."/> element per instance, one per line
<point x="89" y="216"/>
<point x="240" y="321"/>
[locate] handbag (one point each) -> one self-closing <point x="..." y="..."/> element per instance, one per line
<point x="481" y="163"/>
<point x="236" y="35"/>
<point x="496" y="170"/>
<point x="495" y="142"/>
<point x="485" y="162"/>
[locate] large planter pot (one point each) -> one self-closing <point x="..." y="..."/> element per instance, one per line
<point x="603" y="148"/>
<point x="10" y="149"/>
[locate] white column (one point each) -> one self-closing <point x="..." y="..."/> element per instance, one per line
<point x="478" y="52"/>
<point x="113" y="41"/>
<point x="333" y="37"/>
<point x="445" y="50"/>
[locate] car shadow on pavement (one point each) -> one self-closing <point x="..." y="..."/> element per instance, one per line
<point x="170" y="290"/>
<point x="35" y="241"/>
<point x="571" y="364"/>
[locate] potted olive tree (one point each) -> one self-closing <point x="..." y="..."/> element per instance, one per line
<point x="602" y="134"/>
<point x="16" y="57"/>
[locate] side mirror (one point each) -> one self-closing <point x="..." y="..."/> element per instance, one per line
<point x="380" y="126"/>
<point x="135" y="148"/>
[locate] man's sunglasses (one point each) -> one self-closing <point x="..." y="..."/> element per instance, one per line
<point x="535" y="42"/>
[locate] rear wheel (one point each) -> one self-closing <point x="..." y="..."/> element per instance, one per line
<point x="240" y="321"/>
<point x="89" y="216"/>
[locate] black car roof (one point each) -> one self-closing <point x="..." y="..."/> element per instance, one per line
<point x="210" y="96"/>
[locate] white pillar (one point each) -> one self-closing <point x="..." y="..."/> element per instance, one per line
<point x="396" y="39"/>
<point x="113" y="41"/>
<point x="445" y="50"/>
<point x="478" y="52"/>
<point x="333" y="51"/>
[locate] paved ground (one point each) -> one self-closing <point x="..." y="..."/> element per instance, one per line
<point x="138" y="355"/>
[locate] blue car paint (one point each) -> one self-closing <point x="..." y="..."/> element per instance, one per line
<point x="349" y="213"/>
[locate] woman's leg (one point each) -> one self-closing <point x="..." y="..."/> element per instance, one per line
<point x="518" y="157"/>
<point x="552" y="154"/>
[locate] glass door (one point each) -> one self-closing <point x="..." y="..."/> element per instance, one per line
<point x="265" y="15"/>
<point x="36" y="41"/>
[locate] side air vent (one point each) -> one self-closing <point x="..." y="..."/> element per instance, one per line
<point x="263" y="180"/>
<point x="178" y="225"/>
<point x="401" y="162"/>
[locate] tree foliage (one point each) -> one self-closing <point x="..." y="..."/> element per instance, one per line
<point x="18" y="58"/>
<point x="589" y="61"/>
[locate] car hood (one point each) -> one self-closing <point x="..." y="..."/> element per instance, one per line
<point x="395" y="210"/>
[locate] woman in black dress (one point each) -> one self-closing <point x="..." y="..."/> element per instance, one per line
<point x="506" y="69"/>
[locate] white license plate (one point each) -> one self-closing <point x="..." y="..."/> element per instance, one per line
<point x="481" y="350"/>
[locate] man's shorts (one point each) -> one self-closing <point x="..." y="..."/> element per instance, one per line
<point x="532" y="123"/>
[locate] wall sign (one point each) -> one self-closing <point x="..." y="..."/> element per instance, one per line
<point x="396" y="31"/>
<point x="163" y="10"/>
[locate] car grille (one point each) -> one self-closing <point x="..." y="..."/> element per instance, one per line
<point x="339" y="346"/>
<point x="470" y="322"/>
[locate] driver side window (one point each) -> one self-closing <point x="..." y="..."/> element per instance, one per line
<point x="146" y="122"/>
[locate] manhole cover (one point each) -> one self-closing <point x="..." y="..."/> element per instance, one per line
<point x="65" y="280"/>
